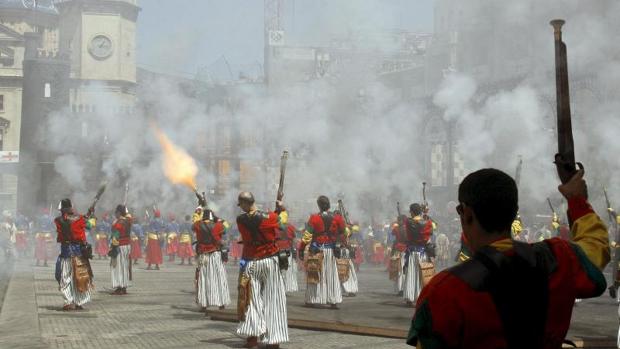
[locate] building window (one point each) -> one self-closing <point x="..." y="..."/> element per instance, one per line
<point x="1" y="103"/>
<point x="48" y="90"/>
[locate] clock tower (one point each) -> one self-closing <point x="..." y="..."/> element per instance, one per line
<point x="100" y="38"/>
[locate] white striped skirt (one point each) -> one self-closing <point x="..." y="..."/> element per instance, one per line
<point x="120" y="270"/>
<point x="266" y="316"/>
<point x="350" y="286"/>
<point x="400" y="281"/>
<point x="212" y="281"/>
<point x="413" y="277"/>
<point x="327" y="291"/>
<point x="67" y="285"/>
<point x="290" y="276"/>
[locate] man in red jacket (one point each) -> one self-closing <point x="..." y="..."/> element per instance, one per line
<point x="211" y="282"/>
<point x="511" y="294"/>
<point x="264" y="314"/>
<point x="120" y="248"/>
<point x="325" y="231"/>
<point x="418" y="231"/>
<point x="71" y="229"/>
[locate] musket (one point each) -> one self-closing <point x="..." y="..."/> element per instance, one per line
<point x="126" y="194"/>
<point x="424" y="202"/>
<point x="125" y="204"/>
<point x="283" y="160"/>
<point x="91" y="212"/>
<point x="518" y="172"/>
<point x="401" y="225"/>
<point x="344" y="212"/>
<point x="202" y="199"/>
<point x="565" y="157"/>
<point x="610" y="211"/>
<point x="91" y="209"/>
<point x="613" y="288"/>
<point x="551" y="206"/>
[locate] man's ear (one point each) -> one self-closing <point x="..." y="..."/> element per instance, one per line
<point x="468" y="215"/>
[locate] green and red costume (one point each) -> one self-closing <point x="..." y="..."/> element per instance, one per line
<point x="450" y="313"/>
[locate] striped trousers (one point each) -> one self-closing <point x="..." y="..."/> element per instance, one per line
<point x="119" y="267"/>
<point x="413" y="277"/>
<point x="67" y="286"/>
<point x="266" y="316"/>
<point x="212" y="281"/>
<point x="290" y="276"/>
<point x="350" y="286"/>
<point x="400" y="281"/>
<point x="327" y="291"/>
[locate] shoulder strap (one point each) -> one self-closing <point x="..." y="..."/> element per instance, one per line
<point x="518" y="286"/>
<point x="328" y="219"/>
<point x="127" y="227"/>
<point x="207" y="233"/>
<point x="413" y="229"/>
<point x="65" y="228"/>
<point x="252" y="223"/>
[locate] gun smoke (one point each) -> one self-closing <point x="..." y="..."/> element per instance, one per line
<point x="352" y="136"/>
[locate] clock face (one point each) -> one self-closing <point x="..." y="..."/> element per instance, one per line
<point x="100" y="47"/>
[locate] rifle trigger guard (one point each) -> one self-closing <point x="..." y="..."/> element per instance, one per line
<point x="579" y="166"/>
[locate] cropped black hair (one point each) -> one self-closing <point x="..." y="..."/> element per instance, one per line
<point x="493" y="196"/>
<point x="323" y="203"/>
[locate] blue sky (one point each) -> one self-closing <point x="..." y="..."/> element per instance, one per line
<point x="184" y="36"/>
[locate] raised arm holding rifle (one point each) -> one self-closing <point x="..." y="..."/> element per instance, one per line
<point x="509" y="288"/>
<point x="73" y="271"/>
<point x="261" y="288"/>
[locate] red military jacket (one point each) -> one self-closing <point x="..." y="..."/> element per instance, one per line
<point x="209" y="235"/>
<point x="285" y="242"/>
<point x="326" y="235"/>
<point x="400" y="238"/>
<point x="450" y="314"/>
<point x="123" y="227"/>
<point x="418" y="231"/>
<point x="70" y="228"/>
<point x="259" y="233"/>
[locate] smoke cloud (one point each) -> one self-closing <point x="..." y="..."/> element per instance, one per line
<point x="353" y="135"/>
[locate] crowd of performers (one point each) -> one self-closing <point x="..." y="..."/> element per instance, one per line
<point x="269" y="249"/>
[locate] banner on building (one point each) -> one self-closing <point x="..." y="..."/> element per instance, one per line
<point x="9" y="157"/>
